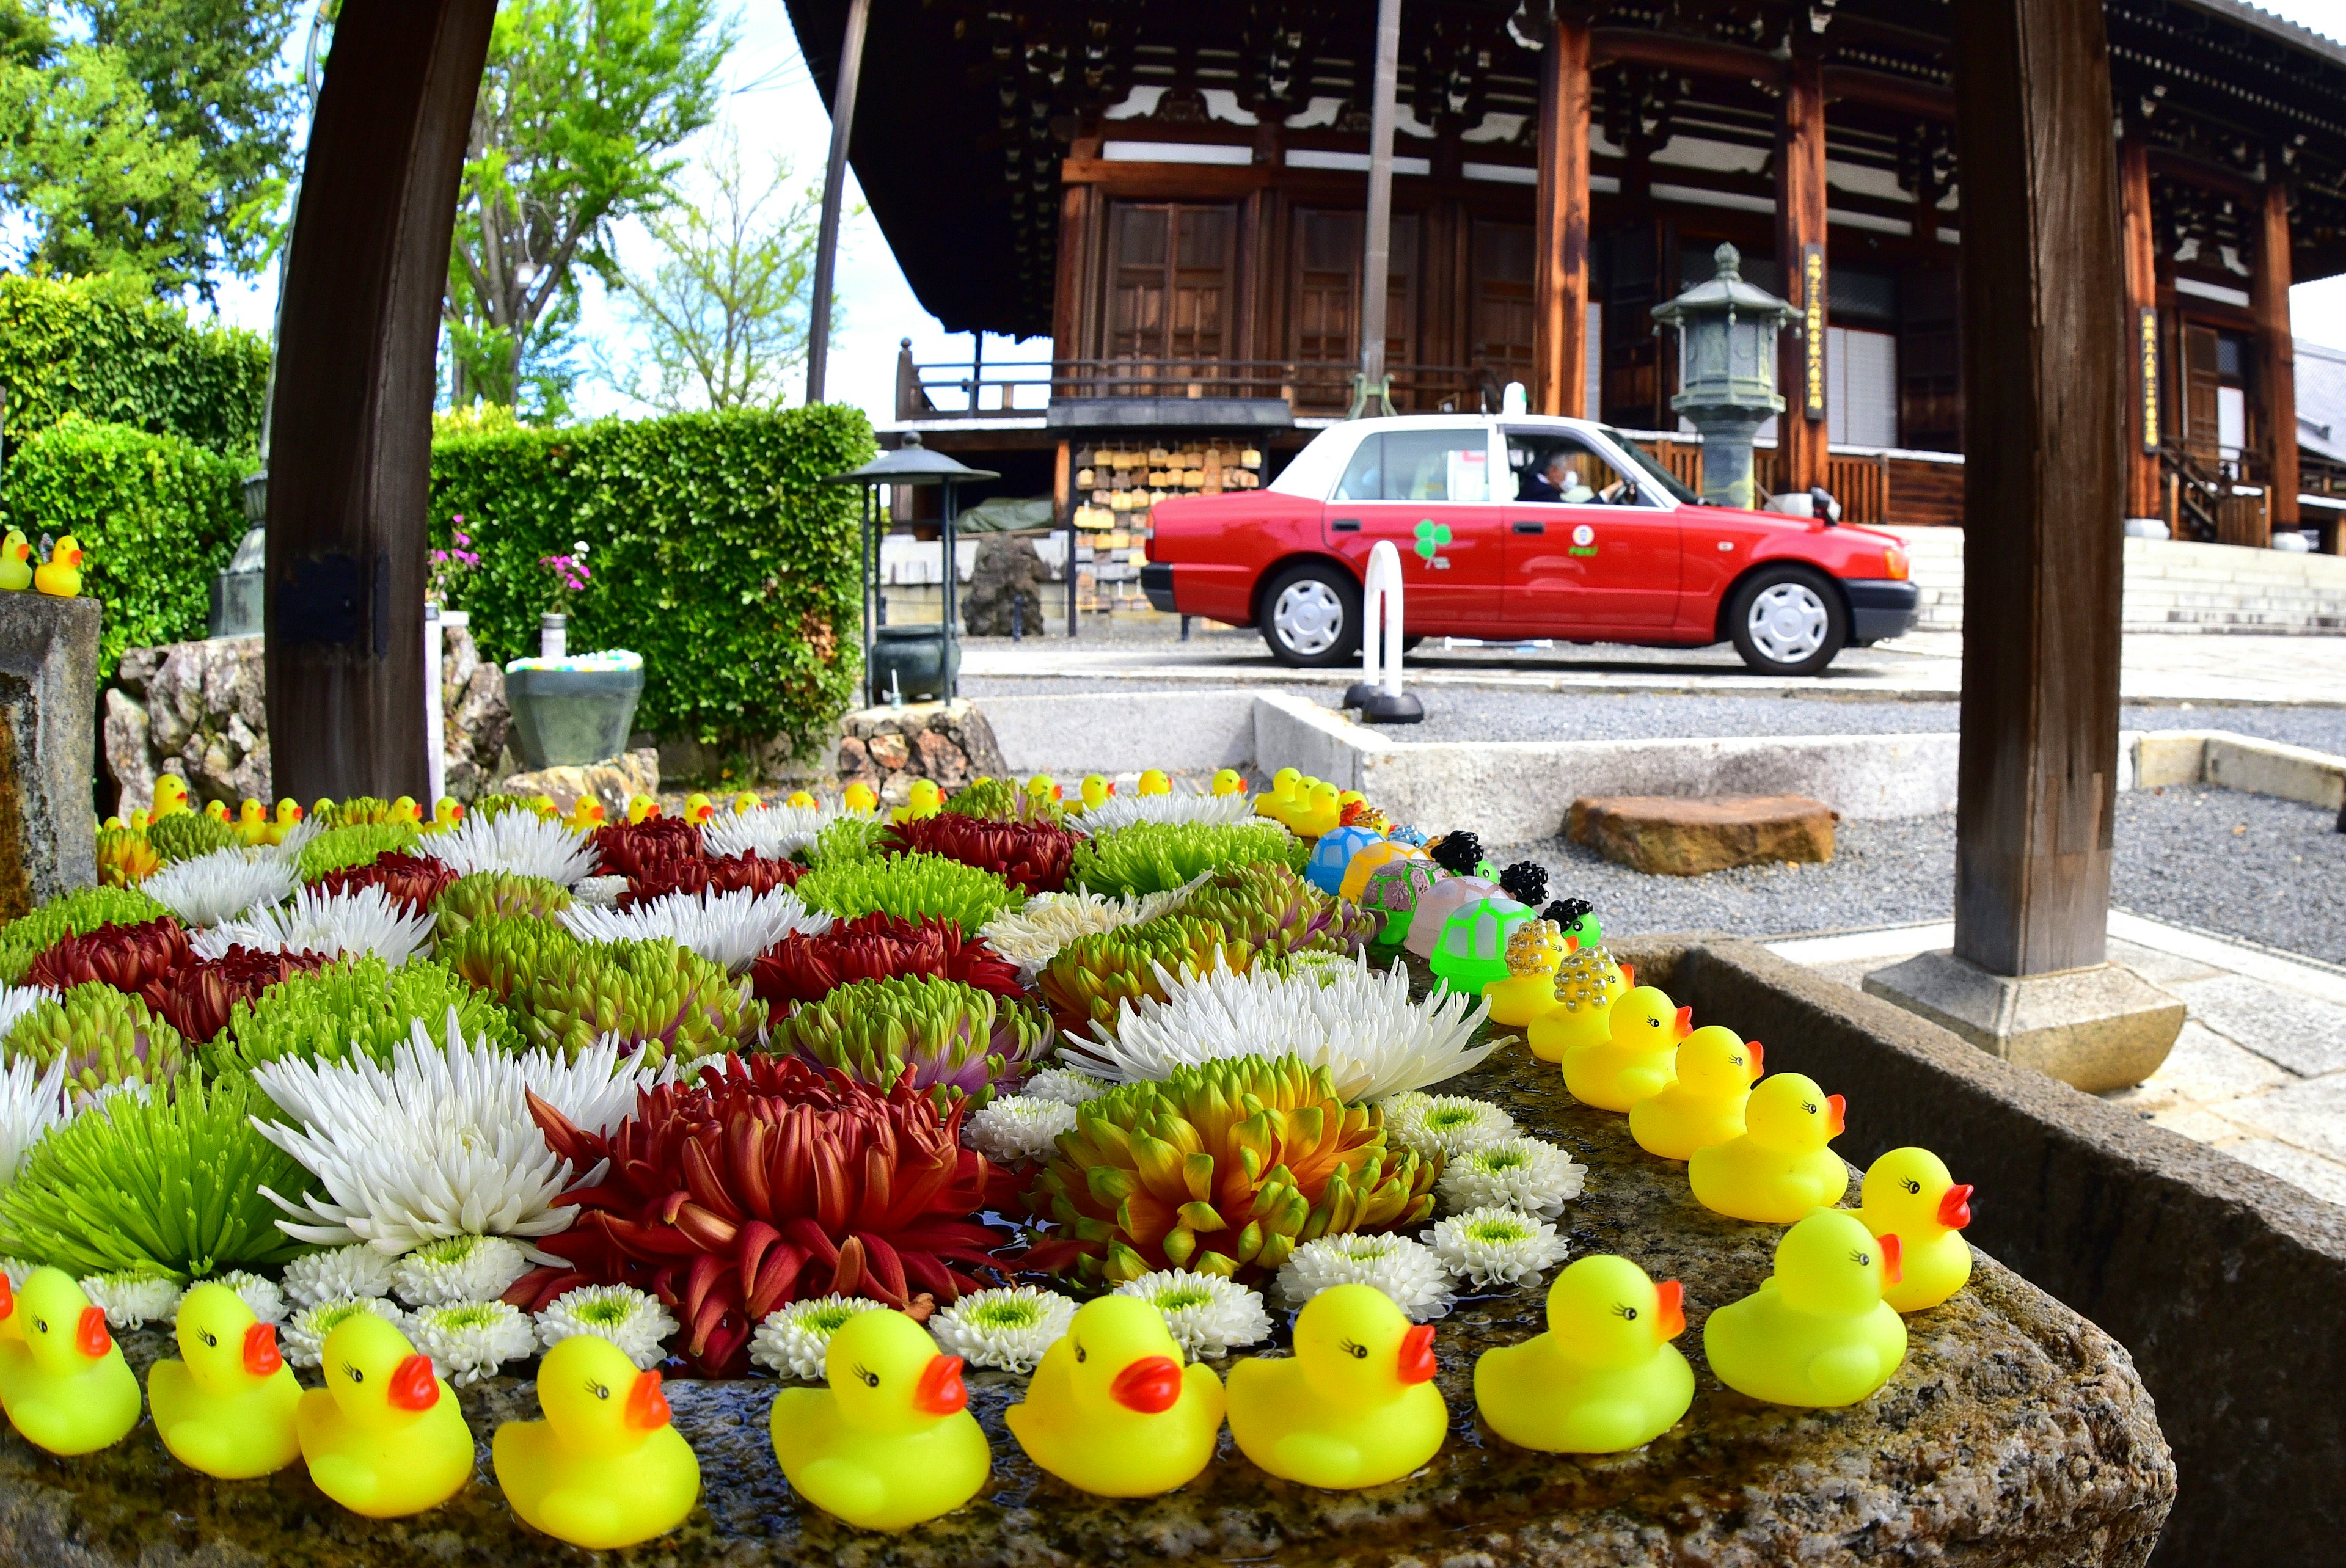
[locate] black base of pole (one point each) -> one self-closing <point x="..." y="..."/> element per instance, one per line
<point x="1378" y="707"/>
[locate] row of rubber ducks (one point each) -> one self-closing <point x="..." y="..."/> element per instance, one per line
<point x="254" y="824"/>
<point x="60" y="575"/>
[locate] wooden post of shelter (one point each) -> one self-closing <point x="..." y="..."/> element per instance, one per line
<point x="1376" y="269"/>
<point x="1801" y="269"/>
<point x="1560" y="311"/>
<point x="2277" y="359"/>
<point x="350" y="433"/>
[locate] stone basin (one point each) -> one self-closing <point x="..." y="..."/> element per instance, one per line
<point x="2016" y="1432"/>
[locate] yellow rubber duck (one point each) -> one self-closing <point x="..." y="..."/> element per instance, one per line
<point x="1355" y="1405"/>
<point x="860" y="799"/>
<point x="922" y="799"/>
<point x="1587" y="984"/>
<point x="61" y="575"/>
<point x="1153" y="782"/>
<point x="1112" y="1411"/>
<point x="1604" y="1378"/>
<point x="1638" y="1055"/>
<point x="890" y="1441"/>
<point x="642" y="807"/>
<point x="170" y="796"/>
<point x="698" y="809"/>
<point x="218" y="811"/>
<point x="446" y="812"/>
<point x="225" y="1407"/>
<point x="587" y="815"/>
<point x="747" y="800"/>
<point x="1042" y="786"/>
<point x="1096" y="791"/>
<point x="251" y="824"/>
<point x="140" y="820"/>
<point x="384" y="1438"/>
<point x="1780" y="1168"/>
<point x="405" y="809"/>
<point x="606" y="1468"/>
<point x="1365" y="861"/>
<point x="1321" y="814"/>
<point x="1283" y="797"/>
<point x="544" y="806"/>
<point x="1817" y="1333"/>
<point x="1227" y="781"/>
<point x="1535" y="947"/>
<point x="1704" y="1105"/>
<point x="799" y="800"/>
<point x="1909" y="1194"/>
<point x="15" y="560"/>
<point x="63" y="1380"/>
<point x="288" y="817"/>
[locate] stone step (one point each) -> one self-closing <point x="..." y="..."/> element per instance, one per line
<point x="2169" y="583"/>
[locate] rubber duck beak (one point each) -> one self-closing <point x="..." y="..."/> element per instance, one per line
<point x="261" y="1358"/>
<point x="1417" y="1354"/>
<point x="1893" y="1258"/>
<point x="1629" y="974"/>
<point x="1149" y="1385"/>
<point x="1837" y="1106"/>
<point x="7" y="1299"/>
<point x="92" y="1340"/>
<point x="1758" y="1055"/>
<point x="647" y="1405"/>
<point x="1673" y="1308"/>
<point x="1956" y="1208"/>
<point x="1686" y="1022"/>
<point x="940" y="1390"/>
<point x="1571" y="945"/>
<point x="413" y="1386"/>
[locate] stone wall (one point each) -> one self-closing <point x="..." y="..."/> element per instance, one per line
<point x="888" y="747"/>
<point x="199" y="710"/>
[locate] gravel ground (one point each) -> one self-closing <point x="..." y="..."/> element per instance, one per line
<point x="2228" y="863"/>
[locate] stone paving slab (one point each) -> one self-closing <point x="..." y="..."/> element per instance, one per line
<point x="2310" y="1115"/>
<point x="2303" y="1033"/>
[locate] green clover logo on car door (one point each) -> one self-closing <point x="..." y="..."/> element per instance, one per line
<point x="1430" y="537"/>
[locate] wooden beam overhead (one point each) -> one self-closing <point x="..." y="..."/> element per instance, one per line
<point x="2183" y="168"/>
<point x="1673" y="52"/>
<point x="1881" y="90"/>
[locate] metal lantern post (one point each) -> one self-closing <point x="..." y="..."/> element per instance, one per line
<point x="910" y="648"/>
<point x="1726" y="367"/>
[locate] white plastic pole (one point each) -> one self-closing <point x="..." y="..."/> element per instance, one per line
<point x="1383" y="605"/>
<point x="435" y="720"/>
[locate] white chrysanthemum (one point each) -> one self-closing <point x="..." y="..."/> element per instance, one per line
<point x="635" y="1323"/>
<point x="267" y="1301"/>
<point x="361" y="921"/>
<point x="304" y="1339"/>
<point x="1512" y="1173"/>
<point x="1443" y="1126"/>
<point x="1029" y="935"/>
<point x="297" y="838"/>
<point x="209" y="888"/>
<point x="338" y="1273"/>
<point x="772" y="832"/>
<point x="16" y="1269"/>
<point x="1494" y="1245"/>
<point x="132" y="1300"/>
<point x="1012" y="1127"/>
<point x="1206" y="1315"/>
<point x="1357" y="1021"/>
<point x="522" y="842"/>
<point x="18" y="1002"/>
<point x="458" y="1268"/>
<point x="791" y="1341"/>
<point x="1064" y="1084"/>
<point x="32" y="1102"/>
<point x="1178" y="806"/>
<point x="727" y="928"/>
<point x="439" y="1142"/>
<point x="599" y="893"/>
<point x="1007" y="1328"/>
<point x="1403" y="1269"/>
<point x="469" y="1340"/>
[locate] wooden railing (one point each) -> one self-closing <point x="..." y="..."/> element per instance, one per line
<point x="1861" y="484"/>
<point x="2214" y="500"/>
<point x="972" y="389"/>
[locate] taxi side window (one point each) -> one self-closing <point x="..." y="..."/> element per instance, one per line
<point x="1364" y="477"/>
<point x="1437" y="465"/>
<point x="1589" y="480"/>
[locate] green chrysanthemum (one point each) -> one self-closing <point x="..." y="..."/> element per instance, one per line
<point x="357" y="1003"/>
<point x="184" y="835"/>
<point x="352" y="845"/>
<point x="847" y="839"/>
<point x="75" y="914"/>
<point x="104" y="1036"/>
<point x="957" y="1039"/>
<point x="495" y="895"/>
<point x="564" y="994"/>
<point x="1155" y="857"/>
<point x="908" y="887"/>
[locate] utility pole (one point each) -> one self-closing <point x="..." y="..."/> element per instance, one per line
<point x="1369" y="392"/>
<point x="834" y="190"/>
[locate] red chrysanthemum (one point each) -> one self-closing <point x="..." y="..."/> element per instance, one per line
<point x="729" y="873"/>
<point x="638" y="848"/>
<point x="197" y="998"/>
<point x="768" y="1181"/>
<point x="877" y="947"/>
<point x="129" y="958"/>
<point x="411" y="881"/>
<point x="1032" y="857"/>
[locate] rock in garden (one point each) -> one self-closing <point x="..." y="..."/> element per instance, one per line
<point x="1669" y="836"/>
<point x="888" y="747"/>
<point x="1008" y="573"/>
<point x="613" y="783"/>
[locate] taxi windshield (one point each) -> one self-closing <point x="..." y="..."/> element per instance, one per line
<point x="1652" y="467"/>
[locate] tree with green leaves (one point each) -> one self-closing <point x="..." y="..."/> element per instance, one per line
<point x="581" y="108"/>
<point x="722" y="313"/>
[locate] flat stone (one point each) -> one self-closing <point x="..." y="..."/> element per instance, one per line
<point x="2322" y="1177"/>
<point x="2204" y="1069"/>
<point x="1670" y="836"/>
<point x="2311" y="1114"/>
<point x="2160" y="969"/>
<point x="48" y="733"/>
<point x="613" y="782"/>
<point x="2303" y="1033"/>
<point x="948" y="743"/>
<point x="2094" y="1029"/>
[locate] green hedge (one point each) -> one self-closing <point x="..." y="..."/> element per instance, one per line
<point x="716" y="554"/>
<point x="155" y="515"/>
<point x="104" y="349"/>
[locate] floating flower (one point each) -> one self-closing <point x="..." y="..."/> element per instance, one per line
<point x="1011" y="1128"/>
<point x="1403" y="1269"/>
<point x="209" y="888"/>
<point x="772" y="832"/>
<point x="337" y="1274"/>
<point x="1064" y="1084"/>
<point x="599" y="892"/>
<point x="654" y="846"/>
<point x="956" y="1039"/>
<point x="877" y="947"/>
<point x="1007" y="1328"/>
<point x="730" y="929"/>
<point x="1087" y="981"/>
<point x="458" y="1268"/>
<point x="658" y="1001"/>
<point x="129" y="958"/>
<point x="1206" y="1315"/>
<point x="1150" y="857"/>
<point x="791" y="1341"/>
<point x="367" y="920"/>
<point x="1124" y="810"/>
<point x="1495" y="1245"/>
<point x="32" y="1101"/>
<point x="304" y="1339"/>
<point x="1446" y="1125"/>
<point x="1028" y="937"/>
<point x="1515" y="1173"/>
<point x="1359" y="1023"/>
<point x="471" y="1340"/>
<point x="521" y="842"/>
<point x="133" y="1300"/>
<point x="635" y="1323"/>
<point x="439" y="1142"/>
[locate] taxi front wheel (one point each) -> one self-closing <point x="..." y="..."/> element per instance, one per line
<point x="1311" y="616"/>
<point x="1787" y="621"/>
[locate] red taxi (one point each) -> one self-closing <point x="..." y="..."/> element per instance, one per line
<point x="1517" y="527"/>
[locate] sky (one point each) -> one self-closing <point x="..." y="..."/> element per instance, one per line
<point x="772" y="103"/>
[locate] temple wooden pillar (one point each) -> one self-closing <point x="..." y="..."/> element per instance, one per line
<point x="1801" y="432"/>
<point x="351" y="436"/>
<point x="1560" y="286"/>
<point x="2044" y="362"/>
<point x="2151" y="381"/>
<point x="2277" y="357"/>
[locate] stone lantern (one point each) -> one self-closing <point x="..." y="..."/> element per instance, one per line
<point x="1727" y="370"/>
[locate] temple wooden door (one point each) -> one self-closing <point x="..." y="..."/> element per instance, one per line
<point x="1171" y="284"/>
<point x="2202" y="393"/>
<point x="1323" y="304"/>
<point x="1502" y="311"/>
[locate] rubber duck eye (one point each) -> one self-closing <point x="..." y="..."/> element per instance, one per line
<point x="871" y="1379"/>
<point x="598" y="1391"/>
<point x="1862" y="1259"/>
<point x="1079" y="1352"/>
<point x="1625" y="1312"/>
<point x="353" y="1374"/>
<point x="1735" y="1061"/>
<point x="1358" y="1352"/>
<point x="1911" y="1184"/>
<point x="41" y="1324"/>
<point x="211" y="1338"/>
<point x="1809" y="1106"/>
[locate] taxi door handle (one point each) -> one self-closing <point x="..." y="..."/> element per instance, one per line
<point x="1345" y="526"/>
<point x="1531" y="528"/>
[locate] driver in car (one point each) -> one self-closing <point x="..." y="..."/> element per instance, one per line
<point x="1557" y="481"/>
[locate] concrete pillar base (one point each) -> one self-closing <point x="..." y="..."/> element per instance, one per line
<point x="2096" y="1029"/>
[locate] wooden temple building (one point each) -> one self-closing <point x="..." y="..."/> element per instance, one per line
<point x="1171" y="193"/>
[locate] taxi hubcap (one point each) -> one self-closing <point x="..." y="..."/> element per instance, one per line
<point x="1308" y="618"/>
<point x="1788" y="623"/>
